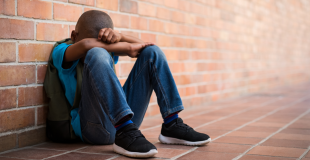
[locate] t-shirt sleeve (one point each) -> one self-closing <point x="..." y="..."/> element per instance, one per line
<point x="115" y="58"/>
<point x="58" y="56"/>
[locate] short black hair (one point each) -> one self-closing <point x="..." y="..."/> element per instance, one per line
<point x="90" y="23"/>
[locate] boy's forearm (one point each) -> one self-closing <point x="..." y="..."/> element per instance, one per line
<point x="130" y="39"/>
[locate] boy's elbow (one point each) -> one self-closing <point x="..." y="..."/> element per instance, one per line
<point x="86" y="44"/>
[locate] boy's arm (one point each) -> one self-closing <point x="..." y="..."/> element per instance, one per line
<point x="79" y="49"/>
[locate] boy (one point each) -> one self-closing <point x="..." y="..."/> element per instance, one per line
<point x="106" y="109"/>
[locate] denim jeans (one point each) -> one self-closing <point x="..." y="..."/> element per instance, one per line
<point x="104" y="101"/>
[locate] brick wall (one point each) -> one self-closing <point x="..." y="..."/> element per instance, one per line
<point x="216" y="49"/>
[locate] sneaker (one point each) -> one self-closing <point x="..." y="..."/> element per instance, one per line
<point x="176" y="132"/>
<point x="129" y="141"/>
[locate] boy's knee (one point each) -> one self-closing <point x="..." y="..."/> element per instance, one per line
<point x="153" y="51"/>
<point x="98" y="54"/>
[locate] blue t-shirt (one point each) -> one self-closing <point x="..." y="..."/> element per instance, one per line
<point x="68" y="81"/>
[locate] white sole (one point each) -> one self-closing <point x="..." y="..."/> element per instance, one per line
<point x="169" y="140"/>
<point x="124" y="152"/>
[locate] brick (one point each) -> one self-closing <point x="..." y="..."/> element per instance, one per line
<point x="125" y="68"/>
<point x="172" y="54"/>
<point x="60" y="31"/>
<point x="108" y="4"/>
<point x="7" y="52"/>
<point x="184" y="5"/>
<point x="156" y="25"/>
<point x="17" y="74"/>
<point x="147" y="9"/>
<point x="30" y="96"/>
<point x="67" y="12"/>
<point x="120" y="20"/>
<point x="34" y="9"/>
<point x="148" y="37"/>
<point x="161" y="2"/>
<point x="164" y="41"/>
<point x="163" y="13"/>
<point x="178" y="42"/>
<point x="171" y="3"/>
<point x="16" y="119"/>
<point x="7" y="98"/>
<point x="138" y="23"/>
<point x="31" y="137"/>
<point x="41" y="71"/>
<point x="190" y="18"/>
<point x="171" y="28"/>
<point x="7" y="7"/>
<point x="177" y="16"/>
<point x="128" y="6"/>
<point x="41" y="115"/>
<point x="134" y="34"/>
<point x="71" y="28"/>
<point x="85" y="2"/>
<point x="34" y="52"/>
<point x="7" y="142"/>
<point x="16" y="29"/>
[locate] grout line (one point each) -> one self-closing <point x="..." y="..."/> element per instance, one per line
<point x="304" y="154"/>
<point x="64" y="153"/>
<point x="180" y="155"/>
<point x="113" y="157"/>
<point x="262" y="141"/>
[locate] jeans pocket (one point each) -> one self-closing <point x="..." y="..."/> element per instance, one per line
<point x="95" y="134"/>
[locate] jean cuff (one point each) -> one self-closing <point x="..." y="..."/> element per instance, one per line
<point x="173" y="110"/>
<point x="121" y="115"/>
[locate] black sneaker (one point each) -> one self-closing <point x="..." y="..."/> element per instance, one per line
<point x="129" y="141"/>
<point x="176" y="132"/>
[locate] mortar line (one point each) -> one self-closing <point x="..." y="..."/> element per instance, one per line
<point x="64" y="153"/>
<point x="180" y="155"/>
<point x="282" y="128"/>
<point x="304" y="154"/>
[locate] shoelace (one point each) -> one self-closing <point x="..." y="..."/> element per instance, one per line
<point x="183" y="125"/>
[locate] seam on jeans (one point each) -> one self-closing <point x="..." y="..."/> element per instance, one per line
<point x="140" y="71"/>
<point x="161" y="87"/>
<point x="120" y="114"/>
<point x="91" y="79"/>
<point x="174" y="109"/>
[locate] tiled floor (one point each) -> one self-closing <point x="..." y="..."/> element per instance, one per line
<point x="273" y="125"/>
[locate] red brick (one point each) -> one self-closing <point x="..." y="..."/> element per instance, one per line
<point x="7" y="142"/>
<point x="164" y="41"/>
<point x="8" y="98"/>
<point x="147" y="9"/>
<point x="30" y="96"/>
<point x="177" y="16"/>
<point x="108" y="4"/>
<point x="41" y="71"/>
<point x="125" y="68"/>
<point x="134" y="34"/>
<point x="17" y="75"/>
<point x="190" y="18"/>
<point x="67" y="12"/>
<point x="184" y="5"/>
<point x="34" y="9"/>
<point x="41" y="115"/>
<point x="34" y="52"/>
<point x="156" y="25"/>
<point x="171" y="28"/>
<point x="153" y="110"/>
<point x="120" y="20"/>
<point x="128" y="6"/>
<point x="16" y="29"/>
<point x="138" y="23"/>
<point x="172" y="54"/>
<point x="59" y="31"/>
<point x="7" y="52"/>
<point x="31" y="137"/>
<point x="16" y="119"/>
<point x="148" y="37"/>
<point x="85" y="2"/>
<point x="178" y="42"/>
<point x="171" y="3"/>
<point x="7" y="7"/>
<point x="71" y="28"/>
<point x="163" y="13"/>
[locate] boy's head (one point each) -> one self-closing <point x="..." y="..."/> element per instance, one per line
<point x="89" y="25"/>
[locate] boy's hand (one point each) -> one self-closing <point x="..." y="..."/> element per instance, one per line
<point x="107" y="35"/>
<point x="135" y="48"/>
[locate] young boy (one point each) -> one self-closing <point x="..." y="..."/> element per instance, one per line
<point x="109" y="113"/>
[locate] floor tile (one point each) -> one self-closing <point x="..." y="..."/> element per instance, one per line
<point x="103" y="149"/>
<point x="286" y="143"/>
<point x="127" y="158"/>
<point x="212" y="133"/>
<point x="308" y="155"/>
<point x="81" y="156"/>
<point x="259" y="129"/>
<point x="32" y="153"/>
<point x="296" y="131"/>
<point x="215" y="126"/>
<point x="238" y="140"/>
<point x="196" y="155"/>
<point x="6" y="158"/>
<point x="257" y="157"/>
<point x="277" y="151"/>
<point x="169" y="153"/>
<point x="61" y="146"/>
<point x="291" y="136"/>
<point x="249" y="134"/>
<point x="224" y="147"/>
<point x="267" y="124"/>
<point x="161" y="145"/>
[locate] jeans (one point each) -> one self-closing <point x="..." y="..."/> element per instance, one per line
<point x="104" y="101"/>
